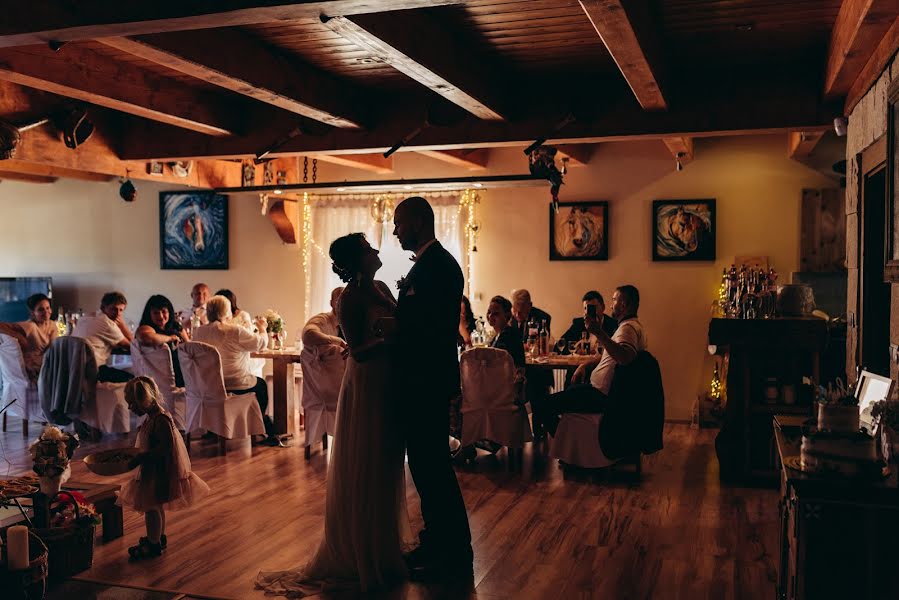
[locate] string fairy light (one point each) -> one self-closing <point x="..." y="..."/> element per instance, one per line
<point x="307" y="239"/>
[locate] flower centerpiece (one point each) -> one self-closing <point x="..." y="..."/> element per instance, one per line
<point x="275" y="329"/>
<point x="51" y="454"/>
<point x="72" y="509"/>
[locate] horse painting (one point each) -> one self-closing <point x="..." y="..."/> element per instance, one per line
<point x="579" y="231"/>
<point x="193" y="230"/>
<point x="683" y="230"/>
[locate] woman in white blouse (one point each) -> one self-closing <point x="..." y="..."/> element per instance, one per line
<point x="234" y="344"/>
<point x="40" y="331"/>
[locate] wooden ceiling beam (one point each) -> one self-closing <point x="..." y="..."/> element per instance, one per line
<point x="66" y="21"/>
<point x="731" y="109"/>
<point x="17" y="166"/>
<point x="681" y="148"/>
<point x="473" y="159"/>
<point x="800" y="144"/>
<point x="624" y="28"/>
<point x="859" y="28"/>
<point x="873" y="69"/>
<point x="251" y="69"/>
<point x="26" y="177"/>
<point x="419" y="46"/>
<point x="578" y="155"/>
<point x="82" y="74"/>
<point x="373" y="163"/>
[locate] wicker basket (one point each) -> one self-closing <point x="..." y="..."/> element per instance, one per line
<point x="71" y="548"/>
<point x="30" y="583"/>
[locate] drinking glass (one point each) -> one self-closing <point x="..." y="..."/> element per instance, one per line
<point x="572" y="347"/>
<point x="561" y="346"/>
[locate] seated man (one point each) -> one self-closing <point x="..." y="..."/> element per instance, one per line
<point x="620" y="349"/>
<point x="523" y="311"/>
<point x="537" y="381"/>
<point x="577" y="329"/>
<point x="105" y="331"/>
<point x="199" y="295"/>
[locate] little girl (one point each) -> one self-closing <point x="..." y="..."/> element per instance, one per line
<point x="164" y="480"/>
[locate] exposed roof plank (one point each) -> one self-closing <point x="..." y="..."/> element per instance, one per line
<point x="250" y="69"/>
<point x="373" y="163"/>
<point x="624" y="30"/>
<point x="420" y="47"/>
<point x="473" y="159"/>
<point x="69" y="21"/>
<point x="82" y="74"/>
<point x="17" y="166"/>
<point x="681" y="148"/>
<point x="802" y="143"/>
<point x="860" y="26"/>
<point x="578" y="155"/>
<point x="26" y="177"/>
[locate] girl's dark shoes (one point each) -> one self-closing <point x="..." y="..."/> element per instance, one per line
<point x="163" y="541"/>
<point x="145" y="549"/>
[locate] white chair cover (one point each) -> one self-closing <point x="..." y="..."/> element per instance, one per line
<point x="16" y="385"/>
<point x="108" y="410"/>
<point x="488" y="399"/>
<point x="322" y="376"/>
<point x="577" y="441"/>
<point x="156" y="362"/>
<point x="209" y="406"/>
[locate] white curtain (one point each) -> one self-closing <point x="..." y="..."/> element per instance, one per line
<point x="331" y="218"/>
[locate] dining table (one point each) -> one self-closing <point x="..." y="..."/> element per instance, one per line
<point x="561" y="366"/>
<point x="282" y="377"/>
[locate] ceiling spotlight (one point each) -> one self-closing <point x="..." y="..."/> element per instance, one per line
<point x="341" y="189"/>
<point x="479" y="185"/>
<point x="278" y="192"/>
<point x="407" y="187"/>
<point x="677" y="160"/>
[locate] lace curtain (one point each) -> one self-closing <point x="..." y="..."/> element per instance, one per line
<point x="331" y="218"/>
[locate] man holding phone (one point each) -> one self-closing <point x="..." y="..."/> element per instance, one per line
<point x="594" y="307"/>
<point x="621" y="348"/>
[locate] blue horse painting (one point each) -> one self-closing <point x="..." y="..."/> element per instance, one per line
<point x="193" y="230"/>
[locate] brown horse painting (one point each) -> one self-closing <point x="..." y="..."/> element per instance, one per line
<point x="579" y="234"/>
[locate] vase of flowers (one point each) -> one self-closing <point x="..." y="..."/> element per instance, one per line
<point x="51" y="454"/>
<point x="275" y="329"/>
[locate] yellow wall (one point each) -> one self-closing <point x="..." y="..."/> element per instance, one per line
<point x="97" y="242"/>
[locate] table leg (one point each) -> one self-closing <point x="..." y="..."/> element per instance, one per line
<point x="112" y="522"/>
<point x="279" y="390"/>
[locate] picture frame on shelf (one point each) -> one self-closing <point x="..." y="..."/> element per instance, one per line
<point x="579" y="231"/>
<point x="193" y="230"/>
<point x="683" y="230"/>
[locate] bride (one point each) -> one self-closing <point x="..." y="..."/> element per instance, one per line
<point x="366" y="523"/>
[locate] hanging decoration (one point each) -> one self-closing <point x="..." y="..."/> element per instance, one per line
<point x="307" y="239"/>
<point x="472" y="228"/>
<point x="382" y="213"/>
<point x="542" y="163"/>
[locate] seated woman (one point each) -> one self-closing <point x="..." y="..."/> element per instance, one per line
<point x="499" y="314"/>
<point x="40" y="331"/>
<point x="234" y="344"/>
<point x="466" y="325"/>
<point x="158" y="326"/>
<point x="238" y="316"/>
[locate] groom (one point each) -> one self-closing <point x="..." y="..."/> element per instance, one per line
<point x="427" y="326"/>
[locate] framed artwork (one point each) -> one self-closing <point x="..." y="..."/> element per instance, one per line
<point x="683" y="230"/>
<point x="579" y="231"/>
<point x="193" y="230"/>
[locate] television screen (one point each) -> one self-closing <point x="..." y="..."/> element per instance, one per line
<point x="14" y="291"/>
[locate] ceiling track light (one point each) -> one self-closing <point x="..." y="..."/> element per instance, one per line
<point x="677" y="160"/>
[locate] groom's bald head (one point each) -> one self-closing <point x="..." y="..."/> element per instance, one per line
<point x="413" y="223"/>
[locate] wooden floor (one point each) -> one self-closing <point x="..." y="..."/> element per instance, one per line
<point x="536" y="533"/>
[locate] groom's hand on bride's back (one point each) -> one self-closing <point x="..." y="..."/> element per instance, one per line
<point x="385" y="327"/>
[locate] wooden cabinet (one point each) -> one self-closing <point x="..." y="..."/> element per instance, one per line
<point x="762" y="353"/>
<point x="839" y="536"/>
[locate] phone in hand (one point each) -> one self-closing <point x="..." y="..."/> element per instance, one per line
<point x="591" y="311"/>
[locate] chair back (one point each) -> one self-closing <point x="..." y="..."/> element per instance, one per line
<point x="156" y="362"/>
<point x="201" y="367"/>
<point x="488" y="379"/>
<point x="322" y="377"/>
<point x="67" y="380"/>
<point x="12" y="374"/>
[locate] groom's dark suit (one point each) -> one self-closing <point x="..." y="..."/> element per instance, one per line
<point x="428" y="323"/>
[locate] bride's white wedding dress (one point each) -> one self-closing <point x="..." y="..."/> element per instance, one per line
<point x="366" y="523"/>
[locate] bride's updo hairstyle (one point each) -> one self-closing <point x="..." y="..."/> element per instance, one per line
<point x="346" y="254"/>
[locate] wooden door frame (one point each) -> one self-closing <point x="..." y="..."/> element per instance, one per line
<point x="870" y="160"/>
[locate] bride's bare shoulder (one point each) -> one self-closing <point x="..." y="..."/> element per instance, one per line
<point x="385" y="290"/>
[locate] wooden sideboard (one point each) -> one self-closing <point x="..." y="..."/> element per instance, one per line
<point x="839" y="536"/>
<point x="760" y="351"/>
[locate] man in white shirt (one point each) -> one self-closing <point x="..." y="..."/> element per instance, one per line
<point x="234" y="344"/>
<point x="619" y="349"/>
<point x="105" y="331"/>
<point x="199" y="295"/>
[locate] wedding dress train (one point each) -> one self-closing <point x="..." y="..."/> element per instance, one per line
<point x="366" y="523"/>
